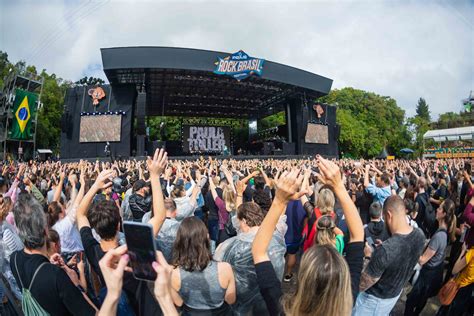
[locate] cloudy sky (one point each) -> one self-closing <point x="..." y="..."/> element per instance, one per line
<point x="402" y="49"/>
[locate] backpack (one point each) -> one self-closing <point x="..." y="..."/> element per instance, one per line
<point x="429" y="221"/>
<point x="229" y="227"/>
<point x="29" y="304"/>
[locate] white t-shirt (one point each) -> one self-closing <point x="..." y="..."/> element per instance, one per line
<point x="68" y="233"/>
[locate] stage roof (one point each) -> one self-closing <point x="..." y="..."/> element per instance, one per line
<point x="181" y="81"/>
<point x="450" y="134"/>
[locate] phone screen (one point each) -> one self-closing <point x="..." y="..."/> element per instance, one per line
<point x="370" y="241"/>
<point x="141" y="249"/>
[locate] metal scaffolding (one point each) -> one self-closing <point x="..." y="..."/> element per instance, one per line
<point x="17" y="80"/>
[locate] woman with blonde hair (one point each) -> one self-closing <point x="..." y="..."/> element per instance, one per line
<point x="329" y="234"/>
<point x="225" y="206"/>
<point x="327" y="284"/>
<point x="324" y="207"/>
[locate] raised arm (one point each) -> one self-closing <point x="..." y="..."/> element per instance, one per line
<point x="229" y="178"/>
<point x="156" y="166"/>
<point x="59" y="187"/>
<point x="80" y="194"/>
<point x="240" y="188"/>
<point x="331" y="175"/>
<point x="212" y="187"/>
<point x="250" y="176"/>
<point x="461" y="263"/>
<point x="366" y="176"/>
<point x="102" y="182"/>
<point x="287" y="188"/>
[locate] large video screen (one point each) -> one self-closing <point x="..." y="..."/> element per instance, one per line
<point x="206" y="138"/>
<point x="100" y="128"/>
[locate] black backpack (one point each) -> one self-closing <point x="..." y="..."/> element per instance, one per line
<point x="429" y="221"/>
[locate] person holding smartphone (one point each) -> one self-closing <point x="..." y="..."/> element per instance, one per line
<point x="104" y="217"/>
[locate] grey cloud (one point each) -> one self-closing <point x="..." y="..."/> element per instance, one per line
<point x="401" y="49"/>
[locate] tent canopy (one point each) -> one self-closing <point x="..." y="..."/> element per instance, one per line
<point x="44" y="151"/>
<point x="450" y="134"/>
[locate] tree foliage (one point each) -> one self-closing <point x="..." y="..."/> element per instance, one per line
<point x="89" y="81"/>
<point x="453" y="120"/>
<point x="423" y="110"/>
<point x="369" y="122"/>
<point x="273" y="120"/>
<point x="52" y="100"/>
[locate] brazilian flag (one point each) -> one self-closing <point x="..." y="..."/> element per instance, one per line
<point x="24" y="110"/>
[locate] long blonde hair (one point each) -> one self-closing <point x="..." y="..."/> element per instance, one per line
<point x="324" y="285"/>
<point x="325" y="234"/>
<point x="229" y="197"/>
<point x="326" y="201"/>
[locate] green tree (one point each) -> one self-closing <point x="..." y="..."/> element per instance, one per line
<point x="90" y="81"/>
<point x="453" y="120"/>
<point x="369" y="122"/>
<point x="49" y="116"/>
<point x="423" y="110"/>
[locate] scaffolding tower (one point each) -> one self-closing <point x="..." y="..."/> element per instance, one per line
<point x="20" y="149"/>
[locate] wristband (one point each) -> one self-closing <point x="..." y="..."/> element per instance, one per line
<point x="367" y="258"/>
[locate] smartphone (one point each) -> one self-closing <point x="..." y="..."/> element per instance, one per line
<point x="141" y="249"/>
<point x="463" y="235"/>
<point x="370" y="241"/>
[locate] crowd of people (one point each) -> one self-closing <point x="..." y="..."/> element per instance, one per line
<point x="350" y="235"/>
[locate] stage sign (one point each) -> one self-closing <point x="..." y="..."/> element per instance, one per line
<point x="239" y="66"/>
<point x="206" y="139"/>
<point x="317" y="134"/>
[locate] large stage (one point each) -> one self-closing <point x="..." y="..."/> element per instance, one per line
<point x="190" y="83"/>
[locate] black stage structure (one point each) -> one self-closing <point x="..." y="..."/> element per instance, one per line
<point x="165" y="81"/>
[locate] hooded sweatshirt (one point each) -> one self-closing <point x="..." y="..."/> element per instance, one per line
<point x="376" y="230"/>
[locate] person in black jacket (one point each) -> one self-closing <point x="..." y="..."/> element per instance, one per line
<point x="140" y="200"/>
<point x="376" y="229"/>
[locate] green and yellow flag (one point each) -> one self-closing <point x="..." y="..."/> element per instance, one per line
<point x="24" y="110"/>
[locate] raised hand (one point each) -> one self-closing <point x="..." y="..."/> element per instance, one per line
<point x="240" y="187"/>
<point x="288" y="186"/>
<point x="82" y="177"/>
<point x="103" y="180"/>
<point x="157" y="165"/>
<point x="329" y="173"/>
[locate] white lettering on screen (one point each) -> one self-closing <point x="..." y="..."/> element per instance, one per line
<point x="206" y="138"/>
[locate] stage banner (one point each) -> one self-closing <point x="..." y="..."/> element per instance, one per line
<point x="24" y="110"/>
<point x="239" y="66"/>
<point x="317" y="134"/>
<point x="206" y="139"/>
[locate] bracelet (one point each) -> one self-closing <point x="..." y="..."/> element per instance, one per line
<point x="367" y="258"/>
<point x="239" y="195"/>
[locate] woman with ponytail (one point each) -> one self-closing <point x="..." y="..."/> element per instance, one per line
<point x="431" y="275"/>
<point x="329" y="234"/>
